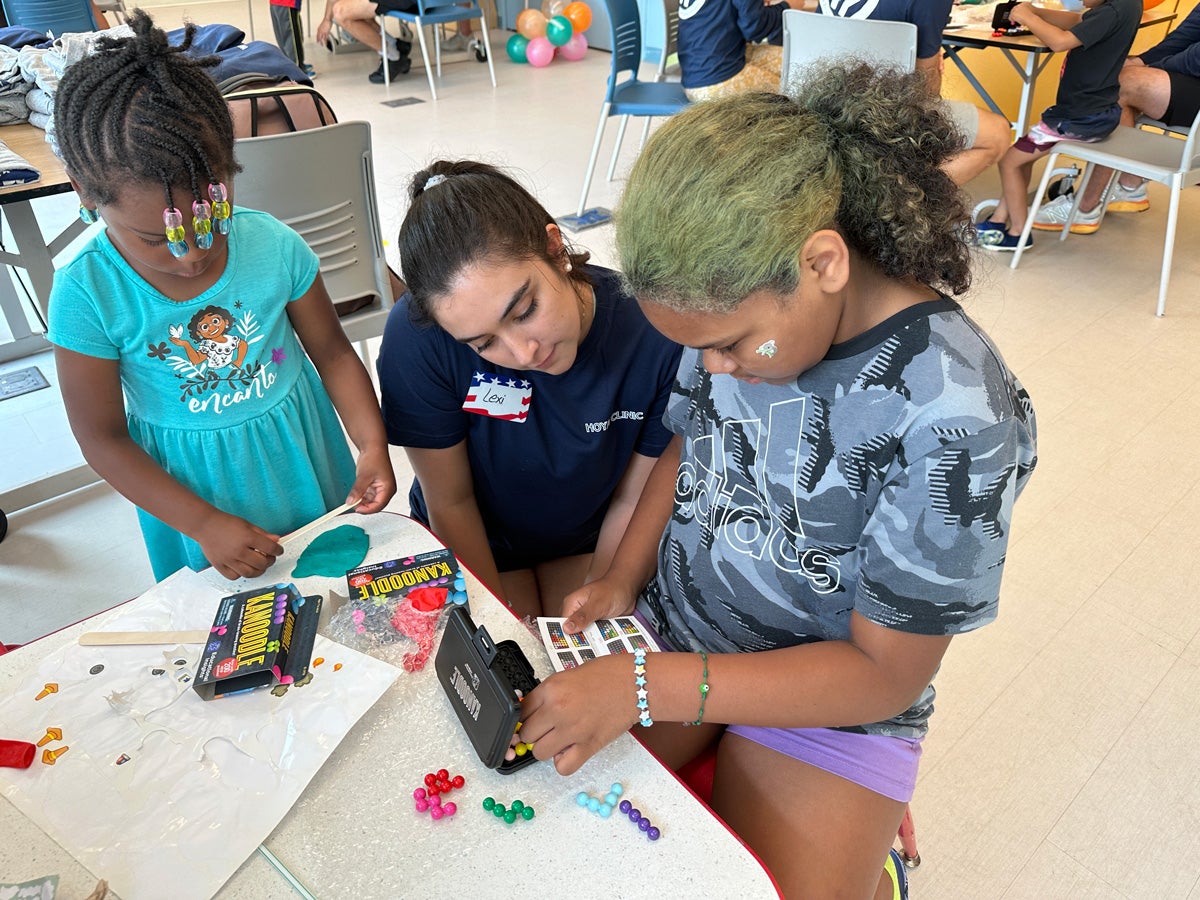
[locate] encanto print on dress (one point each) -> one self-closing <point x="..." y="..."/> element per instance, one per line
<point x="212" y="362"/>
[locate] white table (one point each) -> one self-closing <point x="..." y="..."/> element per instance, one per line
<point x="354" y="832"/>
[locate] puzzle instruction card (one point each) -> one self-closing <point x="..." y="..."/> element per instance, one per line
<point x="622" y="634"/>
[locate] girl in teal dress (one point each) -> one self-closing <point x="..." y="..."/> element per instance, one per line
<point x="183" y="340"/>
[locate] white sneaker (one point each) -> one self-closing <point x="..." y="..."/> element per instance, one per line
<point x="456" y="43"/>
<point x="1053" y="215"/>
<point x="1123" y="199"/>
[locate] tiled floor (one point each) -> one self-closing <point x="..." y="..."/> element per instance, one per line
<point x="1062" y="761"/>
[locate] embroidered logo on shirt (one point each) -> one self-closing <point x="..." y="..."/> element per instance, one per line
<point x="498" y="396"/>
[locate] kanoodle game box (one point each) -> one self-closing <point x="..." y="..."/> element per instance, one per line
<point x="259" y="637"/>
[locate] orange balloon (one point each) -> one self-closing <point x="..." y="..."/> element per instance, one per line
<point x="531" y="23"/>
<point x="1150" y="4"/>
<point x="580" y="15"/>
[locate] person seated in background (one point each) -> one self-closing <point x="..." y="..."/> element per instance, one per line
<point x="730" y="46"/>
<point x="986" y="135"/>
<point x="1162" y="83"/>
<point x="357" y="17"/>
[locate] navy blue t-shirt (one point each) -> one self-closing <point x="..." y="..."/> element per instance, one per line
<point x="930" y="17"/>
<point x="542" y="485"/>
<point x="713" y="35"/>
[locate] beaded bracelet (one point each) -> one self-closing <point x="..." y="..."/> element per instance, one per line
<point x="703" y="690"/>
<point x="639" y="671"/>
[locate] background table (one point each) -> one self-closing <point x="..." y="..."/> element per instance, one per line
<point x="956" y="39"/>
<point x="354" y="831"/>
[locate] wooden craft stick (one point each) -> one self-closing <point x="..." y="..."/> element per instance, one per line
<point x="111" y="638"/>
<point x="304" y="529"/>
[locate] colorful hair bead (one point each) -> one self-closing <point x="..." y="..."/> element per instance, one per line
<point x="221" y="211"/>
<point x="88" y="216"/>
<point x="202" y="223"/>
<point x="173" y="228"/>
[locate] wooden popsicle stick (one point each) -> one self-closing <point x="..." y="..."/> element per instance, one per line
<point x="304" y="529"/>
<point x="111" y="638"/>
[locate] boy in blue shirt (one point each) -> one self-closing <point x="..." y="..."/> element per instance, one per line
<point x="1085" y="107"/>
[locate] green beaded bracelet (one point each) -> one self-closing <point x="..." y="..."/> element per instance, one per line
<point x="703" y="689"/>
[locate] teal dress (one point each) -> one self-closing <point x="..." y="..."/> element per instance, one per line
<point x="218" y="389"/>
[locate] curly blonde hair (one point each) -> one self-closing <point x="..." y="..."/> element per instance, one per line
<point x="726" y="193"/>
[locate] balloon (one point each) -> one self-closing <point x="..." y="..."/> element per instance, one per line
<point x="516" y="48"/>
<point x="559" y="30"/>
<point x="580" y="15"/>
<point x="575" y="49"/>
<point x="553" y="8"/>
<point x="539" y="52"/>
<point x="1150" y="4"/>
<point x="531" y="23"/>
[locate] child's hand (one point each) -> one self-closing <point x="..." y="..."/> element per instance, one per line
<point x="1022" y="13"/>
<point x="571" y="715"/>
<point x="375" y="483"/>
<point x="236" y="548"/>
<point x="600" y="599"/>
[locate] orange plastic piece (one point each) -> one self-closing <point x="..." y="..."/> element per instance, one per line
<point x="51" y="688"/>
<point x="49" y="757"/>
<point x="52" y="734"/>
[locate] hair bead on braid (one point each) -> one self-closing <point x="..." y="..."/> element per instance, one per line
<point x="142" y="110"/>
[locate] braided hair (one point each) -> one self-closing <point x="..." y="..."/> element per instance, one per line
<point x="141" y="110"/>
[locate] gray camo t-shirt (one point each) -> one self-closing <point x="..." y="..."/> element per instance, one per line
<point x="881" y="481"/>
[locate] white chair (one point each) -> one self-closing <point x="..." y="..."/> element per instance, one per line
<point x="1163" y="158"/>
<point x="810" y="36"/>
<point x="321" y="182"/>
<point x="670" y="49"/>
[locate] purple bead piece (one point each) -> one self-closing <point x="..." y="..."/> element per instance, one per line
<point x="625" y="806"/>
<point x="653" y="833"/>
<point x="635" y="815"/>
<point x="644" y="824"/>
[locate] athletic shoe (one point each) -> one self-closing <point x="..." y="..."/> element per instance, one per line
<point x="988" y="232"/>
<point x="309" y="70"/>
<point x="1123" y="199"/>
<point x="1053" y="215"/>
<point x="456" y="43"/>
<point x="895" y="869"/>
<point x="1006" y="241"/>
<point x="396" y="68"/>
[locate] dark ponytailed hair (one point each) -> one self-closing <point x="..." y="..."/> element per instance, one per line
<point x="141" y="110"/>
<point x="476" y="213"/>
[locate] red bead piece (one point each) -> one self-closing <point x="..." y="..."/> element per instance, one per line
<point x="458" y="781"/>
<point x="430" y="779"/>
<point x="445" y="787"/>
<point x="442" y="774"/>
<point x="434" y="790"/>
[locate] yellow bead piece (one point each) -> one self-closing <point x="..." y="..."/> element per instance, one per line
<point x="175" y="234"/>
<point x="220" y="210"/>
<point x="201" y="226"/>
<point x="522" y="749"/>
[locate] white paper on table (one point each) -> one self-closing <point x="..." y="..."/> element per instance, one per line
<point x="206" y="782"/>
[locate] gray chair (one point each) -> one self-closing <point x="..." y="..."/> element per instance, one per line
<point x="321" y="182"/>
<point x="1171" y="158"/>
<point x="809" y="37"/>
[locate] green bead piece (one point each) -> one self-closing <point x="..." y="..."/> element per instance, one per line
<point x="510" y="817"/>
<point x="517" y="806"/>
<point x="488" y="802"/>
<point x="498" y="810"/>
<point x="527" y="813"/>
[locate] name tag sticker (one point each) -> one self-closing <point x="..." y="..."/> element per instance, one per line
<point x="498" y="396"/>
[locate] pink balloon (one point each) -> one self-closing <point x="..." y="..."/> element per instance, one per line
<point x="575" y="49"/>
<point x="539" y="52"/>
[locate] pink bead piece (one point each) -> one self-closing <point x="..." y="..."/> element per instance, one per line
<point x="449" y="809"/>
<point x="419" y="794"/>
<point x="217" y="192"/>
<point x="172" y="217"/>
<point x="436" y="811"/>
<point x="435" y="800"/>
<point x="422" y="805"/>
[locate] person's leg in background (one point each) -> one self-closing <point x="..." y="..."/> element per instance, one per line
<point x="986" y="137"/>
<point x="289" y="33"/>
<point x="357" y="18"/>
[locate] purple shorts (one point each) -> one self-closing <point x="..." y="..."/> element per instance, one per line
<point x="885" y="765"/>
<point x="1088" y="129"/>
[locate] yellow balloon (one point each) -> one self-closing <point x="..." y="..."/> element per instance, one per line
<point x="531" y="23"/>
<point x="552" y="8"/>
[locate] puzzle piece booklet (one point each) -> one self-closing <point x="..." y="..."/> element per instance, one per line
<point x="622" y="634"/>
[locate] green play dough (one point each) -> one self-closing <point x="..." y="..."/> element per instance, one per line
<point x="333" y="553"/>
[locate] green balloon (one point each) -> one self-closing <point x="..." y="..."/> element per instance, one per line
<point x="516" y="48"/>
<point x="559" y="30"/>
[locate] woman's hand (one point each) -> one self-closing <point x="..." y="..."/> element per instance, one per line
<point x="600" y="599"/>
<point x="236" y="548"/>
<point x="374" y="483"/>
<point x="572" y="715"/>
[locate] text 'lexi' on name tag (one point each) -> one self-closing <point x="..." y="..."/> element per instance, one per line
<point x="498" y="396"/>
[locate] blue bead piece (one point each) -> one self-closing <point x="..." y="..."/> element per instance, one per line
<point x="635" y="814"/>
<point x="642" y="703"/>
<point x="581" y="798"/>
<point x="611" y="799"/>
<point x="653" y="833"/>
<point x="644" y="824"/>
<point x="222" y="225"/>
<point x="617" y="788"/>
<point x="593" y="804"/>
<point x="179" y="249"/>
<point x="204" y="241"/>
<point x="459" y="584"/>
<point x="625" y="806"/>
<point x="605" y="811"/>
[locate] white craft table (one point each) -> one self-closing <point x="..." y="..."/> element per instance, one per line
<point x="354" y="832"/>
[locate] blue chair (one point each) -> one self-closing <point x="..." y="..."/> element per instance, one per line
<point x="438" y="12"/>
<point x="630" y="97"/>
<point x="51" y="16"/>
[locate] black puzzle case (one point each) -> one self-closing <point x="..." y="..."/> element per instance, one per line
<point x="481" y="678"/>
